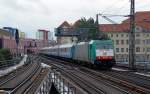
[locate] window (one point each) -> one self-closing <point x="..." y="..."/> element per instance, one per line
<point x="111" y="35"/>
<point x="148" y="41"/>
<point x="127" y="49"/>
<point x="137" y="41"/>
<point x="117" y="50"/>
<point x="122" y="35"/>
<point x="138" y="35"/>
<point x="116" y="35"/>
<point x="148" y="49"/>
<point x="122" y="41"/>
<point x="127" y="41"/>
<point x="143" y="49"/>
<point x="137" y="28"/>
<point x="126" y="35"/>
<point x="117" y="42"/>
<point x="137" y="49"/>
<point x="143" y="41"/>
<point x="104" y="46"/>
<point x="122" y="49"/>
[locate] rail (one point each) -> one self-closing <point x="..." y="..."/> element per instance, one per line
<point x="131" y="86"/>
<point x="122" y="82"/>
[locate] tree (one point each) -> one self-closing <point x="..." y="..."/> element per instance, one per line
<point x="5" y="54"/>
<point x="90" y="30"/>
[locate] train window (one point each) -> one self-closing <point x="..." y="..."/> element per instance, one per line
<point x="104" y="46"/>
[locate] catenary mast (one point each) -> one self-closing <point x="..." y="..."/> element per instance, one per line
<point x="132" y="36"/>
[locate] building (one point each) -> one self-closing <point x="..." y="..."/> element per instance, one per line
<point x="12" y="32"/>
<point x="65" y="33"/>
<point x="22" y="35"/>
<point x="119" y="33"/>
<point x="24" y="44"/>
<point x="42" y="34"/>
<point x="4" y="33"/>
<point x="7" y="41"/>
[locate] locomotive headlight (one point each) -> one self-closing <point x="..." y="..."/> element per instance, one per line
<point x="104" y="53"/>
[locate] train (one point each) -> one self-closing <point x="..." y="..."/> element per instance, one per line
<point x="95" y="53"/>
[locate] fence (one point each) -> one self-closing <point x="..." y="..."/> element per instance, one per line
<point x="8" y="63"/>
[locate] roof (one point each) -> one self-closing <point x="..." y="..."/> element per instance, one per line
<point x="142" y="16"/>
<point x="43" y="30"/>
<point x="114" y="27"/>
<point x="65" y="24"/>
<point x="142" y="19"/>
<point x="4" y="32"/>
<point x="76" y="23"/>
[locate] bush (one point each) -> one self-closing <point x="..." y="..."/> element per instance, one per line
<point x="5" y="54"/>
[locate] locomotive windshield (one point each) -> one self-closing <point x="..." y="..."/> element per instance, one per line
<point x="104" y="46"/>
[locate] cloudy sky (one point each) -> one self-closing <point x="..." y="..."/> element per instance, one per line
<point x="30" y="15"/>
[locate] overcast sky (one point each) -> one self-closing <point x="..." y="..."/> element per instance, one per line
<point x="30" y="15"/>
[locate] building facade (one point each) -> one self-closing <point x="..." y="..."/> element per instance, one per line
<point x="119" y="33"/>
<point x="24" y="44"/>
<point x="12" y="32"/>
<point x="42" y="34"/>
<point x="7" y="41"/>
<point x="65" y="34"/>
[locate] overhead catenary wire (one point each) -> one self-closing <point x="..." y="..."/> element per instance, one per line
<point x="113" y="5"/>
<point x="118" y="13"/>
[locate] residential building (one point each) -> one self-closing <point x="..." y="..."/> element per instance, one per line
<point x="119" y="33"/>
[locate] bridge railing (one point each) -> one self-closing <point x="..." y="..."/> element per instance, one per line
<point x="8" y="63"/>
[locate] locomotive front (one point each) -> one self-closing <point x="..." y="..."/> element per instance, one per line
<point x="105" y="56"/>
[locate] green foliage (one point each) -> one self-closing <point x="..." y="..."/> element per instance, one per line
<point x="5" y="54"/>
<point x="93" y="32"/>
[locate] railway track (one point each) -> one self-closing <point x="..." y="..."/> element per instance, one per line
<point x="86" y="81"/>
<point x="119" y="80"/>
<point x="136" y="86"/>
<point x="21" y="88"/>
<point x="37" y="81"/>
<point x="131" y="77"/>
<point x="18" y="80"/>
<point x="13" y="74"/>
<point x="16" y="72"/>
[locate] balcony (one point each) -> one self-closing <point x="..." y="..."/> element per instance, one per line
<point x="66" y="32"/>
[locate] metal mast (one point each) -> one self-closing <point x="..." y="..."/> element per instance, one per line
<point x="132" y="37"/>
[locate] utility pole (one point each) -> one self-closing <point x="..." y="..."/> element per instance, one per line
<point x="132" y="37"/>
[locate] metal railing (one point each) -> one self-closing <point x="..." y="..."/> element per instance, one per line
<point x="144" y="65"/>
<point x="8" y="63"/>
<point x="63" y="85"/>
